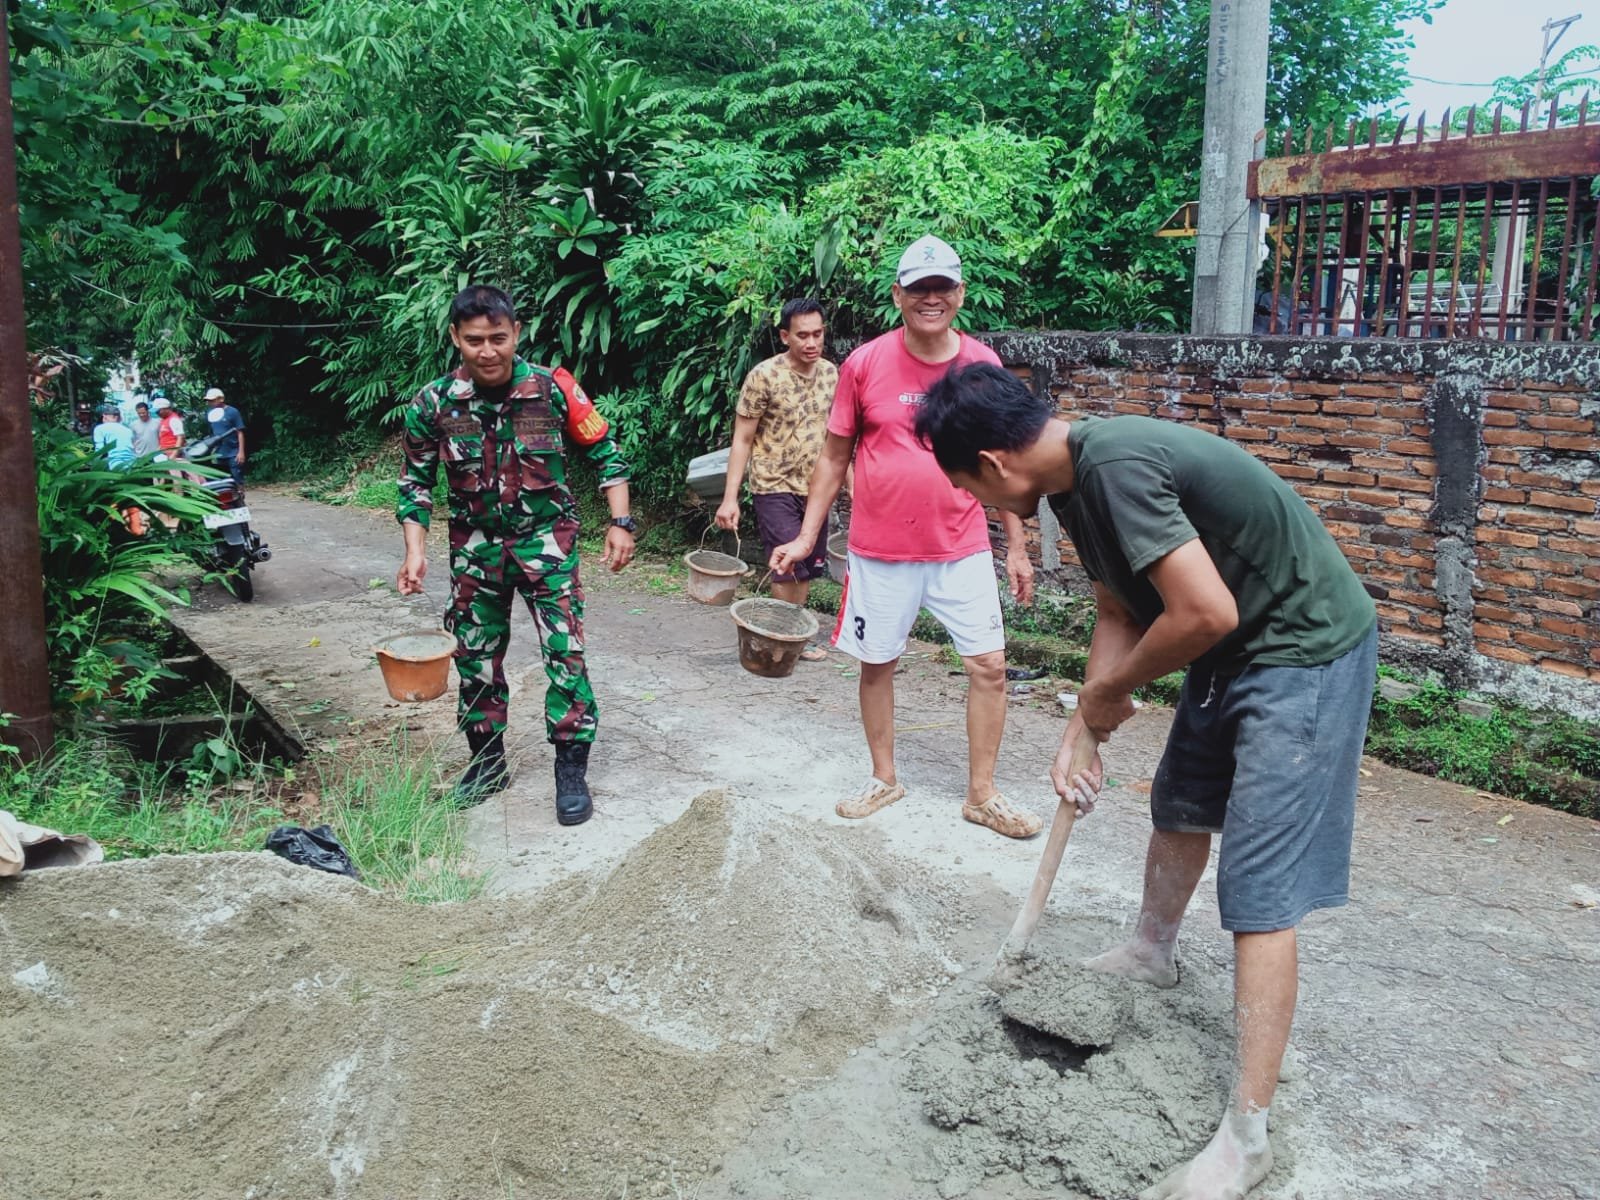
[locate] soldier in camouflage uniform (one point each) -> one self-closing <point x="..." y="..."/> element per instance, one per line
<point x="501" y="427"/>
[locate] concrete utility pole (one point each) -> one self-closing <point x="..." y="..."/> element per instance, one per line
<point x="24" y="668"/>
<point x="1229" y="233"/>
<point x="1554" y="30"/>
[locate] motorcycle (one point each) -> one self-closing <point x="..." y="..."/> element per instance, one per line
<point x="235" y="547"/>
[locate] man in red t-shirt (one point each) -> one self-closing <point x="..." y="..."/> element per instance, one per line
<point x="915" y="540"/>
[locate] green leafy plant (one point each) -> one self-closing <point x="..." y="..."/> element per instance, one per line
<point x="1544" y="758"/>
<point x="100" y="578"/>
<point x="284" y="196"/>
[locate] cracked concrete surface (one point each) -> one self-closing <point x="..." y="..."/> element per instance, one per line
<point x="1449" y="1020"/>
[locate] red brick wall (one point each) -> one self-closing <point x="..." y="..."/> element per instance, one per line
<point x="1538" y="537"/>
<point x="1462" y="480"/>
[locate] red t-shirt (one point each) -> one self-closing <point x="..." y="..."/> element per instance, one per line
<point x="169" y="432"/>
<point x="903" y="508"/>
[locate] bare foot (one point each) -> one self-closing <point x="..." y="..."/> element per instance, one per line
<point x="1142" y="962"/>
<point x="1237" y="1157"/>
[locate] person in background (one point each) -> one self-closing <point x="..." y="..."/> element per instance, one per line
<point x="779" y="426"/>
<point x="146" y="431"/>
<point x="227" y="432"/>
<point x="169" y="426"/>
<point x="115" y="438"/>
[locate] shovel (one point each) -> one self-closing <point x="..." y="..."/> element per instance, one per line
<point x="1016" y="943"/>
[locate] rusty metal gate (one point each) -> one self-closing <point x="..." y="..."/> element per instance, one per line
<point x="1485" y="229"/>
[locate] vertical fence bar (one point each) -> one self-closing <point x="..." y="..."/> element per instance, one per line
<point x="1455" y="258"/>
<point x="1483" y="259"/>
<point x="1277" y="262"/>
<point x="1299" y="262"/>
<point x="1382" y="232"/>
<point x="1433" y="263"/>
<point x="1316" y="279"/>
<point x="1586" y="325"/>
<point x="1409" y="225"/>
<point x="1560" y="329"/>
<point x="1513" y="241"/>
<point x="1530" y="315"/>
<point x="1362" y="252"/>
<point x="1343" y="248"/>
<point x="1594" y="260"/>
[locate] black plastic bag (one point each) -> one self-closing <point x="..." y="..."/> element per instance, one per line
<point x="316" y="848"/>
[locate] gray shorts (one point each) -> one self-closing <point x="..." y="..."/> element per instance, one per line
<point x="1271" y="758"/>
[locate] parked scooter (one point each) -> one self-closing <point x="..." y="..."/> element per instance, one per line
<point x="235" y="548"/>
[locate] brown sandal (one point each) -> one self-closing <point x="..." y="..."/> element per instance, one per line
<point x="997" y="814"/>
<point x="877" y="794"/>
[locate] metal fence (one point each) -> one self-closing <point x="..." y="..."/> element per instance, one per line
<point x="1475" y="228"/>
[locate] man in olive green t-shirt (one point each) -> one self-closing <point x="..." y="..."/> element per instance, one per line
<point x="1202" y="558"/>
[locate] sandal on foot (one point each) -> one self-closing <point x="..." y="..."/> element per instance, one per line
<point x="998" y="814"/>
<point x="813" y="653"/>
<point x="877" y="794"/>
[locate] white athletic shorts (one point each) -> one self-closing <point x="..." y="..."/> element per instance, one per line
<point x="882" y="598"/>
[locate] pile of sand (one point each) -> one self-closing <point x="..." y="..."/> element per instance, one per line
<point x="735" y="924"/>
<point x="231" y="1025"/>
<point x="1107" y="1121"/>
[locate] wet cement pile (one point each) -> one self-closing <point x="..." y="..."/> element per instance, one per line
<point x="1065" y="1000"/>
<point x="1105" y="1121"/>
<point x="231" y="1025"/>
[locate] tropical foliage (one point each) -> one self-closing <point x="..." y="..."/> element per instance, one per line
<point x="103" y="578"/>
<point x="283" y="197"/>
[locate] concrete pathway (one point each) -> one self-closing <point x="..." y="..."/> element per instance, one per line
<point x="1450" y="1017"/>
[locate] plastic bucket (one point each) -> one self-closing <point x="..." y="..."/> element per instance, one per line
<point x="714" y="576"/>
<point x="772" y="634"/>
<point x="838" y="555"/>
<point x="416" y="666"/>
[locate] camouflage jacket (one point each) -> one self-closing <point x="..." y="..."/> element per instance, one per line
<point x="505" y="463"/>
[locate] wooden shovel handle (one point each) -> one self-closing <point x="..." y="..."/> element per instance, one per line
<point x="1084" y="748"/>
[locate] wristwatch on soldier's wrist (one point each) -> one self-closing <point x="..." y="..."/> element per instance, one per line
<point x="626" y="524"/>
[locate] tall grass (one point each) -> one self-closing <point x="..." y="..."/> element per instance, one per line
<point x="383" y="806"/>
<point x="386" y="809"/>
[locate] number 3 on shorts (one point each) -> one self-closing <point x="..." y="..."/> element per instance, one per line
<point x="861" y="628"/>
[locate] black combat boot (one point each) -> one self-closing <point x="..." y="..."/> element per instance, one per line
<point x="486" y="774"/>
<point x="573" y="804"/>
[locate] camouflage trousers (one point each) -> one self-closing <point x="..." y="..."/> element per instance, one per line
<point x="485" y="573"/>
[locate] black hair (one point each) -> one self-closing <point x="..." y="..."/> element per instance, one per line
<point x="481" y="300"/>
<point x="799" y="308"/>
<point x="976" y="408"/>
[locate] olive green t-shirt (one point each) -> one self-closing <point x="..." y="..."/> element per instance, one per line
<point x="1143" y="487"/>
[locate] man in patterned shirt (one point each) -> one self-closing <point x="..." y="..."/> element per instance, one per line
<point x="501" y="426"/>
<point x="778" y="429"/>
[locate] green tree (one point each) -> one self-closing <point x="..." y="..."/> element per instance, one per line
<point x="283" y="198"/>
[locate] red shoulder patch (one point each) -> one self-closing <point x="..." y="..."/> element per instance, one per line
<point x="585" y="424"/>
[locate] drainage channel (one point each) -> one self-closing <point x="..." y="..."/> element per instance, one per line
<point x="196" y="702"/>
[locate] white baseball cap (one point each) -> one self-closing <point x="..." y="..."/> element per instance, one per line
<point x="926" y="258"/>
<point x="160" y="402"/>
<point x="214" y="393"/>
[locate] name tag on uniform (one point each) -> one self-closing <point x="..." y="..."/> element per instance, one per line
<point x="458" y="424"/>
<point x="536" y="430"/>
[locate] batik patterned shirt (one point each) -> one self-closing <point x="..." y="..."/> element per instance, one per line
<point x="792" y="419"/>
